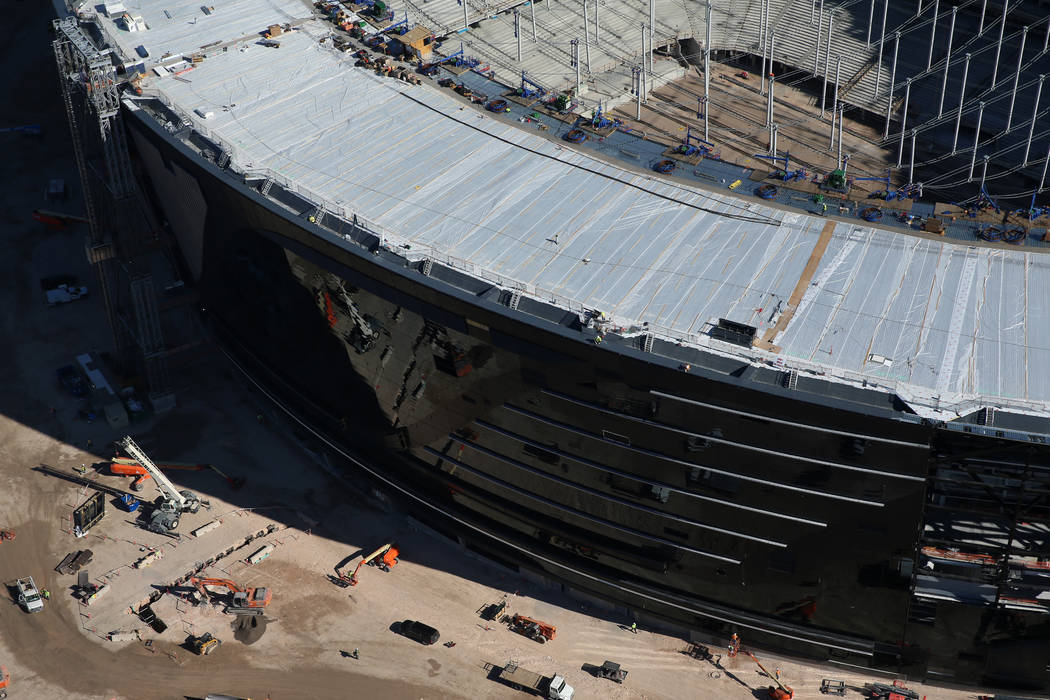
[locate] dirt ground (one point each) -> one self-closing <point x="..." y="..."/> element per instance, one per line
<point x="737" y="124"/>
<point x="62" y="652"/>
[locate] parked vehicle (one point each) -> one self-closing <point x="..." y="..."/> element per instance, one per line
<point x="424" y="634"/>
<point x="64" y="293"/>
<point x="549" y="687"/>
<point x="204" y="644"/>
<point x="612" y="671"/>
<point x="29" y="595"/>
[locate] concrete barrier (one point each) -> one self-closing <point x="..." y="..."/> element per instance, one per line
<point x="260" y="554"/>
<point x="102" y="590"/>
<point x="131" y="636"/>
<point x="154" y="556"/>
<point x="205" y="529"/>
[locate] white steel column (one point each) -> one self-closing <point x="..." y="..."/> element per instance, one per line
<point x="962" y="95"/>
<point x="834" y="114"/>
<point x="871" y="20"/>
<point x="517" y="32"/>
<point x="652" y="31"/>
<point x="707" y="74"/>
<point x="842" y="116"/>
<point x="576" y="61"/>
<point x="820" y="30"/>
<point x="773" y="149"/>
<point x="976" y="140"/>
<point x="465" y="25"/>
<point x="597" y="26"/>
<point x="999" y="46"/>
<point x="882" y="45"/>
<point x="984" y="172"/>
<point x="933" y="32"/>
<point x="1017" y="77"/>
<point x="1031" y="127"/>
<point x="904" y="122"/>
<point x="587" y="34"/>
<point x="911" y="163"/>
<point x="893" y="77"/>
<point x="980" y="27"/>
<point x="838" y="74"/>
<point x="827" y="64"/>
<point x="1046" y="38"/>
<point x="769" y="101"/>
<point x="947" y="60"/>
<point x="637" y="93"/>
<point x="765" y="45"/>
<point x="1042" y="178"/>
<point x="532" y="6"/>
<point x="764" y="20"/>
<point x="643" y="46"/>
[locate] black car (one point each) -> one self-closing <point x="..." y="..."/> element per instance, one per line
<point x="424" y="634"/>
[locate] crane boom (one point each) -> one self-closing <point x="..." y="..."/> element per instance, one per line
<point x="163" y="483"/>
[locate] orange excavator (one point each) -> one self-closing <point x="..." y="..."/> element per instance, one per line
<point x="123" y="466"/>
<point x="780" y="691"/>
<point x="241" y="599"/>
<point x="386" y="557"/>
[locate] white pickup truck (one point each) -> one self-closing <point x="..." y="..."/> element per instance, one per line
<point x="549" y="687"/>
<point x="29" y="595"/>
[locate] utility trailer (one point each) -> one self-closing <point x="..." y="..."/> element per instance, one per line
<point x="549" y="687"/>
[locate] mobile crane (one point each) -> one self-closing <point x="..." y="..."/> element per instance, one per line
<point x="172" y="503"/>
<point x="242" y="600"/>
<point x="386" y="557"/>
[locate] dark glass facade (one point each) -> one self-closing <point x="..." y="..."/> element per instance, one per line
<point x="831" y="524"/>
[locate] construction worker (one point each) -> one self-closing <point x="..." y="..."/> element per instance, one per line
<point x="354" y="653"/>
<point x="823" y="208"/>
<point x="46" y="593"/>
<point x="634" y="627"/>
<point x="777" y="673"/>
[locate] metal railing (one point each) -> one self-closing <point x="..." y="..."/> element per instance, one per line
<point x="938" y="405"/>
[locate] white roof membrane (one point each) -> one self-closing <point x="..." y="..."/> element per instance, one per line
<point x="955" y="322"/>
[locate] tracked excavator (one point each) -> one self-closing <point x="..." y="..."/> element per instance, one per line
<point x="242" y="600"/>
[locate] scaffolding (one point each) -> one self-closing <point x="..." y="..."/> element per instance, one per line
<point x="119" y="228"/>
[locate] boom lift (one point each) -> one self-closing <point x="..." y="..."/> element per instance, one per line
<point x="171" y="503"/>
<point x="781" y="691"/>
<point x="123" y="466"/>
<point x="386" y="557"/>
<point x="242" y="600"/>
<point x="536" y="630"/>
